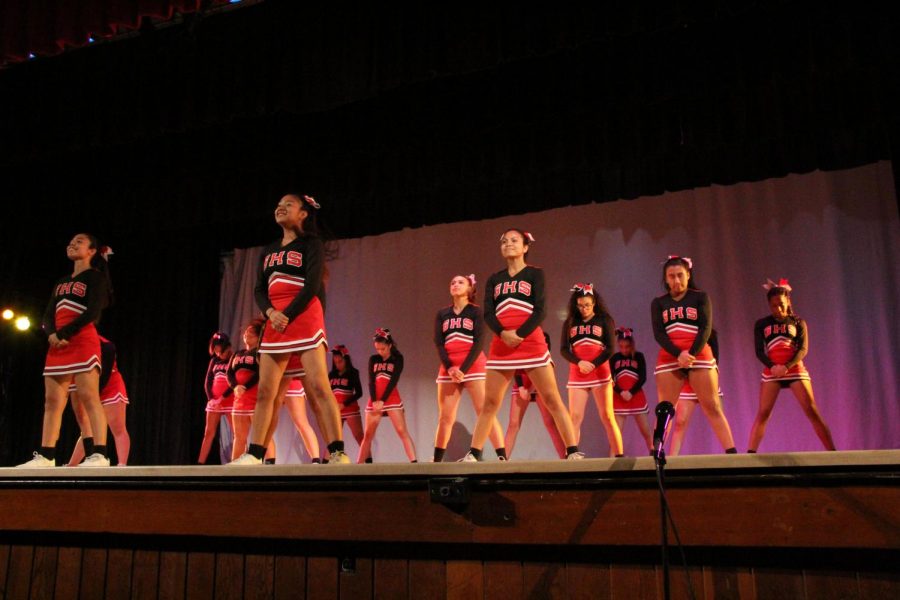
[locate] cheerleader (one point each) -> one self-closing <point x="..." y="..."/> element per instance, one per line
<point x="385" y="368"/>
<point x="74" y="355"/>
<point x="782" y="342"/>
<point x="587" y="343"/>
<point x="290" y="292"/>
<point x="629" y="373"/>
<point x="114" y="399"/>
<point x="243" y="377"/>
<point x="295" y="400"/>
<point x="514" y="310"/>
<point x="682" y="321"/>
<point x="347" y="390"/>
<point x="523" y="394"/>
<point x="458" y="331"/>
<point x="219" y="398"/>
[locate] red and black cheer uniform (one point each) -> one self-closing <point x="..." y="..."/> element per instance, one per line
<point x="516" y="302"/>
<point x="291" y="281"/>
<point x="219" y="398"/>
<point x="112" y="386"/>
<point x="384" y="374"/>
<point x="592" y="341"/>
<point x="295" y="389"/>
<point x="782" y="343"/>
<point x="347" y="391"/>
<point x="243" y="369"/>
<point x="629" y="374"/>
<point x="74" y="309"/>
<point x="459" y="338"/>
<point x="682" y="325"/>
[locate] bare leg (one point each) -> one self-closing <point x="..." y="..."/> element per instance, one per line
<point x="768" y="393"/>
<point x="356" y="428"/>
<point x="271" y="369"/>
<point x="603" y="397"/>
<point x="89" y="396"/>
<point x="578" y="398"/>
<point x="448" y="402"/>
<point x="644" y="427"/>
<point x="241" y="430"/>
<point x="373" y="418"/>
<point x="297" y="408"/>
<point x="115" y="416"/>
<point x="803" y="392"/>
<point x="84" y="424"/>
<point x="209" y="433"/>
<point x="544" y="380"/>
<point x="550" y="425"/>
<point x="517" y="409"/>
<point x="683" y="411"/>
<point x="398" y="420"/>
<point x="476" y="391"/>
<point x="494" y="388"/>
<point x="321" y="397"/>
<point x="706" y="383"/>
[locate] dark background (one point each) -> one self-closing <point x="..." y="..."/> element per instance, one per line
<point x="175" y="144"/>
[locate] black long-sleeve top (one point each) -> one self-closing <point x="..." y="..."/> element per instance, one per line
<point x="793" y="333"/>
<point x="634" y="363"/>
<point x="84" y="295"/>
<point x="243" y="360"/>
<point x="392" y="366"/>
<point x="301" y="259"/>
<point x="515" y="301"/>
<point x="467" y="327"/>
<point x="348" y="383"/>
<point x="671" y="319"/>
<point x="598" y="328"/>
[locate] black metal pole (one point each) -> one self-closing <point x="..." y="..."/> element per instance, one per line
<point x="660" y="459"/>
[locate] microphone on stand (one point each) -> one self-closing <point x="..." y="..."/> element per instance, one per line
<point x="664" y="413"/>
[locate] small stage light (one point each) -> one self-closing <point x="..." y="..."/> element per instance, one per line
<point x="31" y="55"/>
<point x="91" y="39"/>
<point x="8" y="315"/>
<point x="23" y="323"/>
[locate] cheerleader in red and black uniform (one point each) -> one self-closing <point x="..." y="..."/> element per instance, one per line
<point x="514" y="310"/>
<point x="290" y="292"/>
<point x="682" y="321"/>
<point x="114" y="399"/>
<point x="74" y="355"/>
<point x="243" y="377"/>
<point x="629" y="374"/>
<point x="219" y="397"/>
<point x="458" y="333"/>
<point x="782" y="342"/>
<point x="347" y="390"/>
<point x="523" y="394"/>
<point x="587" y="343"/>
<point x="295" y="400"/>
<point x="385" y="368"/>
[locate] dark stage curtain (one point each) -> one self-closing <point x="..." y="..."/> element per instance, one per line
<point x="47" y="27"/>
<point x="177" y="143"/>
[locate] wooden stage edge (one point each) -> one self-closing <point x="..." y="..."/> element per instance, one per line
<point x="798" y="525"/>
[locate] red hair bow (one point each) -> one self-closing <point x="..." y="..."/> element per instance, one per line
<point x="584" y="288"/>
<point x="686" y="259"/>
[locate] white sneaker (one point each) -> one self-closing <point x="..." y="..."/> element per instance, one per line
<point x="576" y="456"/>
<point x="95" y="460"/>
<point x="37" y="462"/>
<point x="469" y="457"/>
<point x="502" y="458"/>
<point x="245" y="459"/>
<point x="338" y="457"/>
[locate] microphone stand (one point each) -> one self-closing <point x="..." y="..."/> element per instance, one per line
<point x="659" y="458"/>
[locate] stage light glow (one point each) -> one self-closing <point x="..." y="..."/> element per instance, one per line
<point x="233" y="1"/>
<point x="31" y="55"/>
<point x="91" y="39"/>
<point x="8" y="315"/>
<point x="23" y="323"/>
